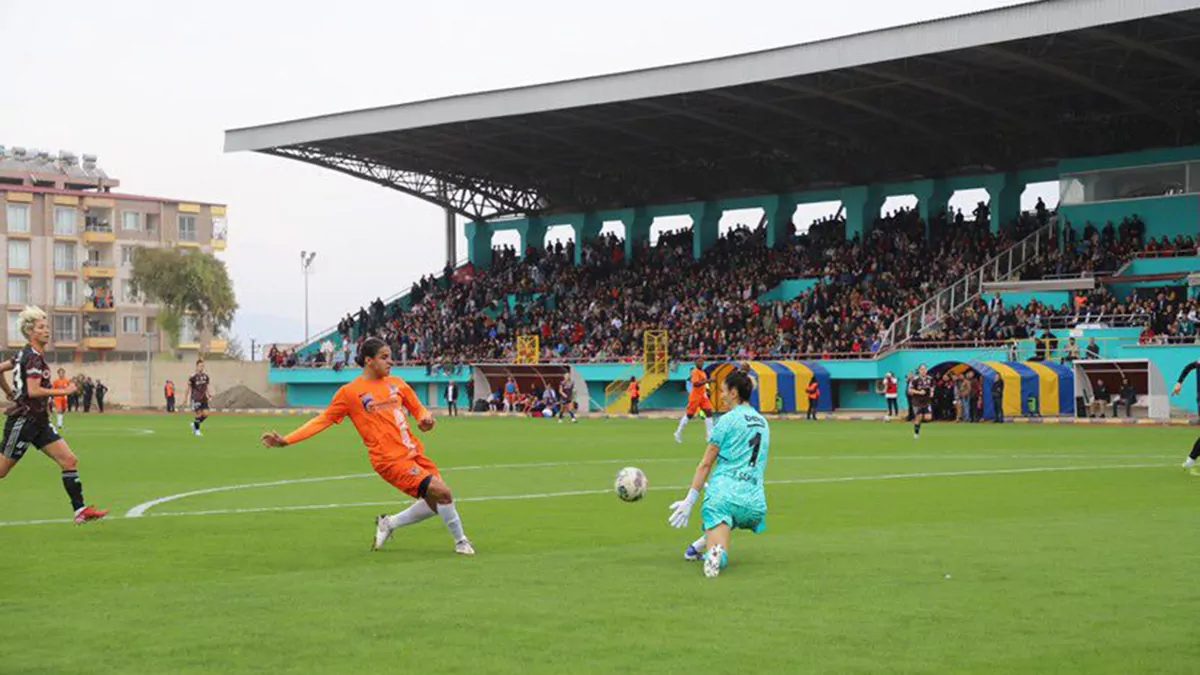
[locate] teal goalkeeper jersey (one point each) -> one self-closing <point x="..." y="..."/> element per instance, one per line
<point x="744" y="440"/>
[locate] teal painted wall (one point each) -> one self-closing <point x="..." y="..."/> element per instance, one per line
<point x="1170" y="216"/>
<point x="789" y="289"/>
<point x="315" y="388"/>
<point x="850" y="398"/>
<point x="1163" y="266"/>
<point x="1050" y="298"/>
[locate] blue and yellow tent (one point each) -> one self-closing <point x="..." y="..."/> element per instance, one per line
<point x="779" y="386"/>
<point x="1050" y="386"/>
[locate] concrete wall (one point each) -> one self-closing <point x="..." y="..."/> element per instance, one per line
<point x="126" y="380"/>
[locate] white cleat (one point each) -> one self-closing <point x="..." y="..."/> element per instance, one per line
<point x="464" y="547"/>
<point x="712" y="561"/>
<point x="679" y="438"/>
<point x="383" y="531"/>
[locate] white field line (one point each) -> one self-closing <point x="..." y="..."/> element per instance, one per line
<point x="574" y="493"/>
<point x="141" y="509"/>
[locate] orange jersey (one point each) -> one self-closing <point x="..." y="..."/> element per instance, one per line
<point x="60" y="402"/>
<point x="699" y="383"/>
<point x="377" y="409"/>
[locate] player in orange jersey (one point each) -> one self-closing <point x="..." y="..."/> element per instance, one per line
<point x="376" y="404"/>
<point x="60" y="402"/>
<point x="698" y="400"/>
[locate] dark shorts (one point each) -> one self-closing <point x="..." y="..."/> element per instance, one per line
<point x="199" y="406"/>
<point x="22" y="432"/>
<point x="922" y="409"/>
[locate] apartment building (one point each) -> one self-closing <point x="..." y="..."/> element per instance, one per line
<point x="68" y="237"/>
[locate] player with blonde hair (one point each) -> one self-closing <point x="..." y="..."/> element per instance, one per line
<point x="28" y="420"/>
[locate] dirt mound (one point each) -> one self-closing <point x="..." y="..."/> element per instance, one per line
<point x="240" y="397"/>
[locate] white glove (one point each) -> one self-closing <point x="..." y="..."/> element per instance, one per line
<point x="681" y="511"/>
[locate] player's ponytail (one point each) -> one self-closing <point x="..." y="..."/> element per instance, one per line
<point x="370" y="349"/>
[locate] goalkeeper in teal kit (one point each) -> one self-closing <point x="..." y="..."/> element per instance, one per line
<point x="731" y="474"/>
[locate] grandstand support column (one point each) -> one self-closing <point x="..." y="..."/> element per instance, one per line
<point x="706" y="221"/>
<point x="1004" y="191"/>
<point x="533" y="235"/>
<point x="932" y="198"/>
<point x="637" y="232"/>
<point x="479" y="243"/>
<point x="586" y="231"/>
<point x="451" y="239"/>
<point x="862" y="205"/>
<point x="780" y="210"/>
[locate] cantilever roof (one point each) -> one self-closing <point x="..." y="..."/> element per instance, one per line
<point x="1007" y="88"/>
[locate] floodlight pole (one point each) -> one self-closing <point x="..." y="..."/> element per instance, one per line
<point x="306" y="260"/>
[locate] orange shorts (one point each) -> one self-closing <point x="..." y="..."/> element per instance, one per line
<point x="407" y="475"/>
<point x="60" y="404"/>
<point x="698" y="403"/>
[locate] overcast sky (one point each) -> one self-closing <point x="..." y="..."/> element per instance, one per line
<point x="150" y="87"/>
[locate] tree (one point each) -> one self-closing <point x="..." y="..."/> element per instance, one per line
<point x="234" y="349"/>
<point x="184" y="284"/>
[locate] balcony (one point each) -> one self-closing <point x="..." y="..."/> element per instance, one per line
<point x="98" y="232"/>
<point x="99" y="334"/>
<point x="217" y="346"/>
<point x="102" y="342"/>
<point x="99" y="269"/>
<point x="217" y="244"/>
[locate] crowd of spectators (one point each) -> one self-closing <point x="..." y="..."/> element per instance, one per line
<point x="598" y="310"/>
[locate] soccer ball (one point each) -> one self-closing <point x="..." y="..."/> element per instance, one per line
<point x="631" y="484"/>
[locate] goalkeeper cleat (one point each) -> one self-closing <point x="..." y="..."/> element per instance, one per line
<point x="714" y="561"/>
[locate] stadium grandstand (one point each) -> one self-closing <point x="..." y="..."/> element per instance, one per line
<point x="1100" y="97"/>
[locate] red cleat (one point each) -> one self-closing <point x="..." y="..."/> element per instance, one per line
<point x="89" y="513"/>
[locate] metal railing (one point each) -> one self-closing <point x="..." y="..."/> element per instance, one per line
<point x="950" y="299"/>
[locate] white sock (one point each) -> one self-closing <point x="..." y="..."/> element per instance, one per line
<point x="708" y="425"/>
<point x="699" y="544"/>
<point x="682" y="423"/>
<point x="413" y="514"/>
<point x="1189" y="463"/>
<point x="453" y="523"/>
<point x="59" y="420"/>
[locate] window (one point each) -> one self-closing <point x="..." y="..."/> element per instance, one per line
<point x="187" y="228"/>
<point x="64" y="221"/>
<point x="188" y="335"/>
<point x="127" y="294"/>
<point x="127" y="253"/>
<point x="131" y="222"/>
<point x="14" y="328"/>
<point x="131" y="324"/>
<point x="18" y="290"/>
<point x="65" y="328"/>
<point x="64" y="257"/>
<point x="18" y="218"/>
<point x="18" y="255"/>
<point x="64" y="292"/>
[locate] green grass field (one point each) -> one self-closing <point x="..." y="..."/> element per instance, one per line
<point x="1069" y="549"/>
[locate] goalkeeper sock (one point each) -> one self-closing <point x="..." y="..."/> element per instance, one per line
<point x="449" y="515"/>
<point x="412" y="515"/>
